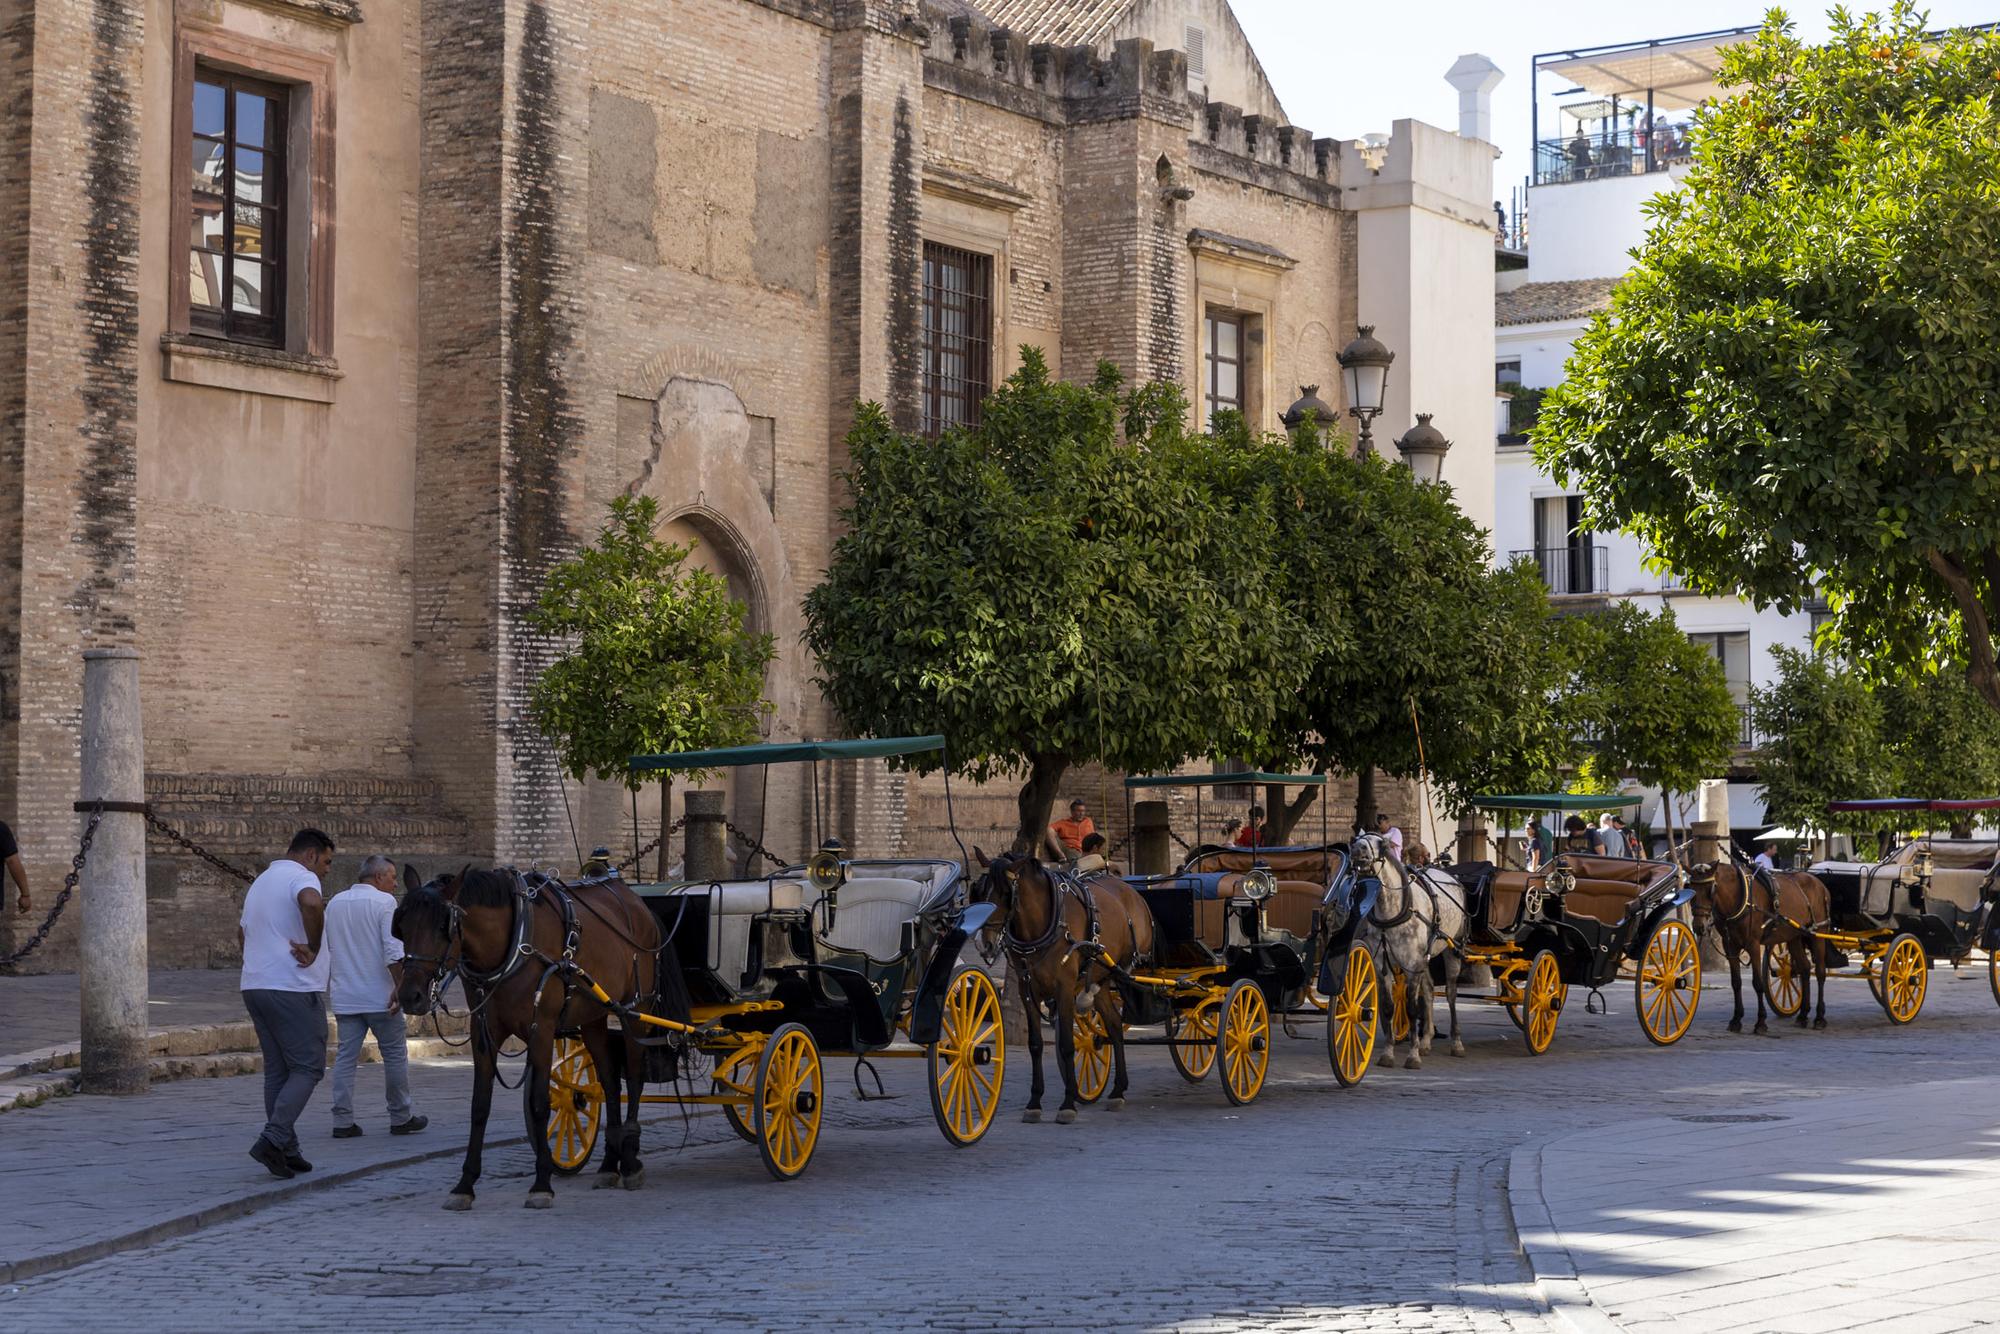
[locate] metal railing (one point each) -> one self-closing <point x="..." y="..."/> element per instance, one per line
<point x="1629" y="150"/>
<point x="1570" y="569"/>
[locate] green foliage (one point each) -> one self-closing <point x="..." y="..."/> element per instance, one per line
<point x="1823" y="740"/>
<point x="1941" y="738"/>
<point x="1648" y="701"/>
<point x="658" y="658"/>
<point x="1045" y="591"/>
<point x="1797" y="383"/>
<point x="1524" y="407"/>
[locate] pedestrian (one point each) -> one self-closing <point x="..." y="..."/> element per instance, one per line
<point x="1390" y="832"/>
<point x="367" y="969"/>
<point x="1576" y="834"/>
<point x="1251" y="835"/>
<point x="1763" y="861"/>
<point x="1628" y="840"/>
<point x="284" y="985"/>
<point x="1065" y="837"/>
<point x="10" y="853"/>
<point x="1606" y="841"/>
<point x="1541" y="843"/>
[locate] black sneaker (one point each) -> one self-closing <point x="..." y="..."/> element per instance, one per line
<point x="274" y="1161"/>
<point x="346" y="1132"/>
<point x="296" y="1163"/>
<point x="409" y="1127"/>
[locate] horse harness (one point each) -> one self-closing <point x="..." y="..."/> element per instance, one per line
<point x="1023" y="952"/>
<point x="1435" y="932"/>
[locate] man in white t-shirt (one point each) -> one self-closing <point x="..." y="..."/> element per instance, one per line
<point x="367" y="969"/>
<point x="284" y="985"/>
<point x="1390" y="832"/>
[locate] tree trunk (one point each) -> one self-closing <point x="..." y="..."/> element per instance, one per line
<point x="666" y="821"/>
<point x="1281" y="816"/>
<point x="1364" y="799"/>
<point x="1981" y="668"/>
<point x="1037" y="795"/>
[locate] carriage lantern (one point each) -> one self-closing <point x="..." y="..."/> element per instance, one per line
<point x="1259" y="884"/>
<point x="1364" y="366"/>
<point x="1424" y="447"/>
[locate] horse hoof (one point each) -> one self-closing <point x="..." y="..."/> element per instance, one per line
<point x="457" y="1203"/>
<point x="539" y="1199"/>
<point x="1761" y="1031"/>
<point x="1736" y="1025"/>
<point x="633" y="1179"/>
<point x="1414" y="1063"/>
<point x="1066" y="1116"/>
<point x="1458" y="1049"/>
<point x="1032" y="1116"/>
<point x="1818" y="1025"/>
<point x="1114" y="1104"/>
<point x="604" y="1181"/>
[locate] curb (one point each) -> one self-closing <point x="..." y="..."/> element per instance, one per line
<point x="1542" y="1247"/>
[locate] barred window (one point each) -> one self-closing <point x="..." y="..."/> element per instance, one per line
<point x="236" y="260"/>
<point x="958" y="336"/>
<point x="1224" y="354"/>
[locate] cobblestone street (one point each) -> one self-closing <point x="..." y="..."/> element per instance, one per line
<point x="1383" y="1207"/>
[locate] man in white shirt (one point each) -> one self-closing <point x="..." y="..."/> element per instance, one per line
<point x="1390" y="832"/>
<point x="367" y="969"/>
<point x="284" y="981"/>
<point x="1763" y="860"/>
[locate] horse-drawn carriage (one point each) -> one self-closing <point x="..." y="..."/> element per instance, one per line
<point x="1929" y="901"/>
<point x="834" y="957"/>
<point x="1579" y="921"/>
<point x="1245" y="933"/>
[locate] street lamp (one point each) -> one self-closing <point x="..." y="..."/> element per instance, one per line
<point x="1323" y="413"/>
<point x="1423" y="447"/>
<point x="1364" y="365"/>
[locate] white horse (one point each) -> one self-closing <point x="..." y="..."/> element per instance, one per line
<point x="1419" y="915"/>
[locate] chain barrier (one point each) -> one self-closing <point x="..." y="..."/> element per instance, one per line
<point x="671" y="830"/>
<point x="41" y="935"/>
<point x="755" y="848"/>
<point x="188" y="845"/>
<point x="1185" y="845"/>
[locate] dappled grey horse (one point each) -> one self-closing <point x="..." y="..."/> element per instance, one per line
<point x="1419" y="916"/>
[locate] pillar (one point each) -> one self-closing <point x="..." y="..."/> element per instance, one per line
<point x="1472" y="839"/>
<point x="113" y="886"/>
<point x="707" y="854"/>
<point x="1152" y="840"/>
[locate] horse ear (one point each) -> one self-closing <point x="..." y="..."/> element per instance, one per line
<point x="449" y="885"/>
<point x="412" y="882"/>
<point x="980" y="856"/>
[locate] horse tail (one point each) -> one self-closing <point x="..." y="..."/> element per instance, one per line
<point x="670" y="985"/>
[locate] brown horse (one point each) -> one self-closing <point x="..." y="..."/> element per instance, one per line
<point x="526" y="950"/>
<point x="1755" y="911"/>
<point x="1063" y="938"/>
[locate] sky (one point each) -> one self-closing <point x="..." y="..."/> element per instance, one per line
<point x="1344" y="69"/>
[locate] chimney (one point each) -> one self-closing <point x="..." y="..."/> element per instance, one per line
<point x="1475" y="77"/>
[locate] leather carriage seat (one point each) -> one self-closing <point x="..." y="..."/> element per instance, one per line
<point x="1626" y="869"/>
<point x="1503" y="897"/>
<point x="1290" y="909"/>
<point x="1962" y="854"/>
<point x="1296" y="863"/>
<point x="1958" y="886"/>
<point x="1603" y="899"/>
<point x="733" y="906"/>
<point x="870" y="915"/>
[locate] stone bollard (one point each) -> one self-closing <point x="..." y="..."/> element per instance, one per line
<point x="112" y="944"/>
<point x="707" y="853"/>
<point x="1705" y="845"/>
<point x="1152" y="842"/>
<point x="1472" y="840"/>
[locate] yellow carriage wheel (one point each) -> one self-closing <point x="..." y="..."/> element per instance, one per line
<point x="1191" y="1041"/>
<point x="727" y="1083"/>
<point x="576" y="1105"/>
<point x="1399" y="1006"/>
<point x="791" y="1097"/>
<point x="969" y="1059"/>
<point x="1669" y="984"/>
<point x="1906" y="973"/>
<point x="1541" y="1002"/>
<point x="1093" y="1056"/>
<point x="1352" y="1022"/>
<point x="1993" y="971"/>
<point x="1243" y="1042"/>
<point x="1784" y="985"/>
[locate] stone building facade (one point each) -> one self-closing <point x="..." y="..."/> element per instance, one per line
<point x="327" y="325"/>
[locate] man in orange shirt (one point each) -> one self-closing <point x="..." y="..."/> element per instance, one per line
<point x="1065" y="838"/>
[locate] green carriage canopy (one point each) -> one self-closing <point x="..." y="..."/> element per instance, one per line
<point x="1227" y="780"/>
<point x="1557" y="801"/>
<point x="789" y="752"/>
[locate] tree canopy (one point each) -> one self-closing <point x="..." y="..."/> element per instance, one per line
<point x="1797" y="386"/>
<point x="1645" y="700"/>
<point x="657" y="655"/>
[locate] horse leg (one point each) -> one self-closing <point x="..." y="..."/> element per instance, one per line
<point x="608" y="1058"/>
<point x="535" y="1106"/>
<point x="1801" y="969"/>
<point x="630" y="1170"/>
<point x="1032" y="1008"/>
<point x="1760" y="981"/>
<point x="1385" y="981"/>
<point x="1452" y="964"/>
<point x="482" y="1105"/>
<point x="1417" y="995"/>
<point x="1114" y="1025"/>
<point x="1066" y="1049"/>
<point x="1730" y="947"/>
<point x="1818" y="955"/>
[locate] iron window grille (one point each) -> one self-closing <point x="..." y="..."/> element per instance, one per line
<point x="957" y="337"/>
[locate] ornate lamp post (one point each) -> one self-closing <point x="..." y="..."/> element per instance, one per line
<point x="1364" y="365"/>
<point x="1323" y="413"/>
<point x="1423" y="447"/>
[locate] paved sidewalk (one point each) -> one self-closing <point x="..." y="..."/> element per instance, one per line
<point x="1876" y="1209"/>
<point x="44" y="1010"/>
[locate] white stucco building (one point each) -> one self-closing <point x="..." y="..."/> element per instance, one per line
<point x="1611" y="139"/>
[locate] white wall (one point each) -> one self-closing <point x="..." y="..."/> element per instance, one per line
<point x="1587" y="229"/>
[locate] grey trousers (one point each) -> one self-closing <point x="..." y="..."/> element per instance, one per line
<point x="390" y="1040"/>
<point x="291" y="1027"/>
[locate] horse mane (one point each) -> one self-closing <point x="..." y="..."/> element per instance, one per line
<point x="424" y="904"/>
<point x="486" y="889"/>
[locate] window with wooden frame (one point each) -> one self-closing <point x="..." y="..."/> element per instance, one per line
<point x="253" y="197"/>
<point x="957" y="336"/>
<point x="1224" y="346"/>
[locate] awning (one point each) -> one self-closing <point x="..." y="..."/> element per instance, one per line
<point x="1916" y="804"/>
<point x="1559" y="801"/>
<point x="1227" y="780"/>
<point x="789" y="752"/>
<point x="1680" y="72"/>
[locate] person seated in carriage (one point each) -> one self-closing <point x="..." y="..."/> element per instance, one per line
<point x="1093" y="862"/>
<point x="1251" y="835"/>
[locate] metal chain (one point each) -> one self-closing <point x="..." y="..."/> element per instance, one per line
<point x="753" y="846"/>
<point x="671" y="830"/>
<point x="174" y="836"/>
<point x="1185" y="845"/>
<point x="62" y="900"/>
<point x="1118" y="847"/>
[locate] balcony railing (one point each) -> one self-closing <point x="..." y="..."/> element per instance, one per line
<point x="1570" y="569"/>
<point x="1627" y="151"/>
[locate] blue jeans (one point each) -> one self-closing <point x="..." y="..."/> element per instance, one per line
<point x="390" y="1040"/>
<point x="291" y="1028"/>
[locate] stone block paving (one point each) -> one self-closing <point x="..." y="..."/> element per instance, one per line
<point x="42" y="1010"/>
<point x="1383" y="1207"/>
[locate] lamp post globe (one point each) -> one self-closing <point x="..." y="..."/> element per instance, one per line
<point x="1423" y="448"/>
<point x="1364" y="366"/>
<point x="1310" y="403"/>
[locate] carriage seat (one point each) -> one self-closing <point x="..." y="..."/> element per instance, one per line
<point x="1601" y="898"/>
<point x="871" y="913"/>
<point x="1959" y="886"/>
<point x="1290" y="909"/>
<point x="733" y="907"/>
<point x="1299" y="863"/>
